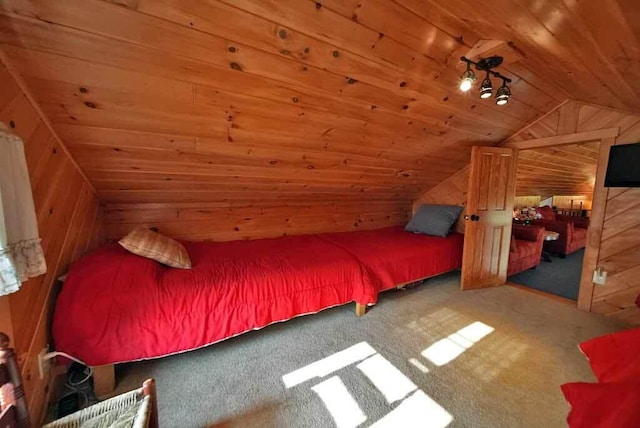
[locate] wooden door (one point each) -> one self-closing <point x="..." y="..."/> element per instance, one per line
<point x="492" y="186"/>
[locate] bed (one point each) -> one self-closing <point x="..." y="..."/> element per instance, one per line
<point x="117" y="307"/>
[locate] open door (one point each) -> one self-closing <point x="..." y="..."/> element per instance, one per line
<point x="492" y="188"/>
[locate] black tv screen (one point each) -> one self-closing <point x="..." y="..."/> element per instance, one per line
<point x="624" y="166"/>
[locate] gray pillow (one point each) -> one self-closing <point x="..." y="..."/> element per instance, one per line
<point x="434" y="220"/>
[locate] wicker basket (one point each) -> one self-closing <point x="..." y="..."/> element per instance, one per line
<point x="134" y="409"/>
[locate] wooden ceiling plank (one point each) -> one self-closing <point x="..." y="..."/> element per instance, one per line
<point x="433" y="43"/>
<point x="325" y="24"/>
<point x="274" y="69"/>
<point x="366" y="108"/>
<point x="302" y="45"/>
<point x="542" y="46"/>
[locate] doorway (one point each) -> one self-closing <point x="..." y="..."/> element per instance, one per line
<point x="551" y="218"/>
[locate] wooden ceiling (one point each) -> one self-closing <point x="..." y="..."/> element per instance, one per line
<point x="563" y="170"/>
<point x="178" y="101"/>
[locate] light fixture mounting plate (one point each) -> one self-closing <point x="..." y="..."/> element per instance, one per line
<point x="489" y="63"/>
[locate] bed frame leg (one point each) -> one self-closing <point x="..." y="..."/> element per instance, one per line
<point x="360" y="309"/>
<point x="149" y="389"/>
<point x="104" y="379"/>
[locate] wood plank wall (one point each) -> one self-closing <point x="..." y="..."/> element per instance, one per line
<point x="70" y="223"/>
<point x="526" y="201"/>
<point x="568" y="201"/>
<point x="620" y="248"/>
<point x="225" y="221"/>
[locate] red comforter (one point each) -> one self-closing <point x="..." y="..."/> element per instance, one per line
<point x="117" y="307"/>
<point x="391" y="256"/>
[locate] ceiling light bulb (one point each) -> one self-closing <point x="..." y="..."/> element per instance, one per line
<point x="486" y="89"/>
<point x="503" y="94"/>
<point x="465" y="85"/>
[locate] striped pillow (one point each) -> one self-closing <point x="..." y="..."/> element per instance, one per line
<point x="154" y="246"/>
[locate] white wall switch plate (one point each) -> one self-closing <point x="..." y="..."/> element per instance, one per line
<point x="599" y="277"/>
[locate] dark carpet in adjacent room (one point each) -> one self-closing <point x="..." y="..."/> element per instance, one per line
<point x="507" y="377"/>
<point x="560" y="277"/>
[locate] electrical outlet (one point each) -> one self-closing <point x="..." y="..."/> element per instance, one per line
<point x="43" y="365"/>
<point x="599" y="277"/>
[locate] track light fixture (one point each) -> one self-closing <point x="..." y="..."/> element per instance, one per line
<point x="503" y="94"/>
<point x="486" y="88"/>
<point x="468" y="77"/>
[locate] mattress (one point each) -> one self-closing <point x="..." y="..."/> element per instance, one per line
<point x="117" y="307"/>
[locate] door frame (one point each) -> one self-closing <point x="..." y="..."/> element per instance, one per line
<point x="606" y="138"/>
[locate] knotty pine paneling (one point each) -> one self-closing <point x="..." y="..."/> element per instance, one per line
<point x="318" y="96"/>
<point x="620" y="247"/>
<point x="225" y="221"/>
<point x="315" y="96"/>
<point x="563" y="170"/>
<point x="70" y="222"/>
<point x="573" y="201"/>
<point x="526" y="201"/>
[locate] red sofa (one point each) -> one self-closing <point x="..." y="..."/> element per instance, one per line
<point x="572" y="230"/>
<point x="526" y="248"/>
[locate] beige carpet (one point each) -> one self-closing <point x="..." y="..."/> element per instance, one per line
<point x="432" y="356"/>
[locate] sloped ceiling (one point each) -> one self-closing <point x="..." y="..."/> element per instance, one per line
<point x="185" y="100"/>
<point x="564" y="170"/>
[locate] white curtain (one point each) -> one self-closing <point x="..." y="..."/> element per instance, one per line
<point x="21" y="255"/>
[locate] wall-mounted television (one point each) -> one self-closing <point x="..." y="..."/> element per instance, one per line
<point x="624" y="166"/>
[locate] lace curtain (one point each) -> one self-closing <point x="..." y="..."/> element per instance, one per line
<point x="21" y="255"/>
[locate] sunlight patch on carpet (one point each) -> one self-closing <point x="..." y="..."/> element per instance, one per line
<point x="329" y="364"/>
<point x="451" y="347"/>
<point x="343" y="407"/>
<point x="387" y="378"/>
<point x="419" y="410"/>
<point x="411" y="406"/>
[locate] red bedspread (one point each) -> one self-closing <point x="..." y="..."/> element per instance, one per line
<point x="117" y="307"/>
<point x="391" y="256"/>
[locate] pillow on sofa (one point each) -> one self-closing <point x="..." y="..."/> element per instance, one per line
<point x="154" y="246"/>
<point x="614" y="357"/>
<point x="603" y="404"/>
<point x="434" y="220"/>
